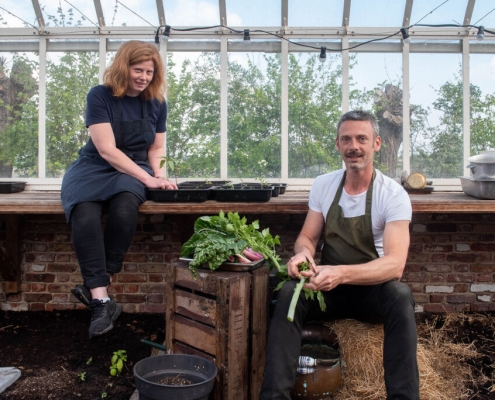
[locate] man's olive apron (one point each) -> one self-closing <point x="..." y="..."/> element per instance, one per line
<point x="349" y="240"/>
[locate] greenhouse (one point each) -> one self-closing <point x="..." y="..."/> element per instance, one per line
<point x="255" y="89"/>
<point x="245" y="200"/>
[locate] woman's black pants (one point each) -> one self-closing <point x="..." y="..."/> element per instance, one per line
<point x="390" y="303"/>
<point x="99" y="252"/>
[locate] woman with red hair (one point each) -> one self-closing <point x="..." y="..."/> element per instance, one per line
<point x="126" y="117"/>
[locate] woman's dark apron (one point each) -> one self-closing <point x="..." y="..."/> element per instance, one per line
<point x="92" y="178"/>
<point x="349" y="240"/>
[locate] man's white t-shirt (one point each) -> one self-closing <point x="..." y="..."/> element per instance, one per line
<point x="390" y="202"/>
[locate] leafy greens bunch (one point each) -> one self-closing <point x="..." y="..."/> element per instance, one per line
<point x="219" y="238"/>
<point x="310" y="294"/>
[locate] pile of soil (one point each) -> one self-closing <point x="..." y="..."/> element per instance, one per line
<point x="58" y="361"/>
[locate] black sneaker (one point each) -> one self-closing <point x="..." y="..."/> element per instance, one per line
<point x="102" y="316"/>
<point x="82" y="293"/>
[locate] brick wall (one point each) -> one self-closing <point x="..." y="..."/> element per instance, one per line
<point x="451" y="264"/>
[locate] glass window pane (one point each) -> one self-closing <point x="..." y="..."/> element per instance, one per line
<point x="192" y="12"/>
<point x="193" y="122"/>
<point x="482" y="78"/>
<point x="377" y="13"/>
<point x="436" y="120"/>
<point x="376" y="86"/>
<point x="438" y="12"/>
<point x="484" y="13"/>
<point x="69" y="76"/>
<point x="19" y="115"/>
<point x="254" y="106"/>
<point x="315" y="12"/>
<point x="17" y="14"/>
<point x="130" y="13"/>
<point x="315" y="97"/>
<point x="77" y="13"/>
<point x="247" y="13"/>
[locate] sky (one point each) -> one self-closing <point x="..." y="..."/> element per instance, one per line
<point x="427" y="71"/>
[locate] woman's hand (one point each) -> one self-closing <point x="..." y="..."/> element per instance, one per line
<point x="160" y="183"/>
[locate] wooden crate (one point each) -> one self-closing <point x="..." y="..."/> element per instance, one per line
<point x="221" y="316"/>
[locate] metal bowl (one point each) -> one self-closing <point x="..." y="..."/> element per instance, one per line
<point x="482" y="166"/>
<point x="481" y="189"/>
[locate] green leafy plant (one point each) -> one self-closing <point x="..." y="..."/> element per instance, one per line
<point x="217" y="239"/>
<point x="118" y="359"/>
<point x="90" y="361"/>
<point x="262" y="180"/>
<point x="170" y="164"/>
<point x="283" y="274"/>
<point x="82" y="376"/>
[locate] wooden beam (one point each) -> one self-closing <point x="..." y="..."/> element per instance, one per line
<point x="10" y="257"/>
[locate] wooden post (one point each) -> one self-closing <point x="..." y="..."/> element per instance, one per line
<point x="10" y="258"/>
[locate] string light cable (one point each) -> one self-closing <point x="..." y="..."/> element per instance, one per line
<point x="246" y="34"/>
<point x="479" y="35"/>
<point x="80" y="12"/>
<point x="19" y="18"/>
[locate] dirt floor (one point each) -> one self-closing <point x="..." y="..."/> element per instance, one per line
<point x="59" y="362"/>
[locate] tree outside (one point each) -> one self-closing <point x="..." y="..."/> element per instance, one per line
<point x="254" y="117"/>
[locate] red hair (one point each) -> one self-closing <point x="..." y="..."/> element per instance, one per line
<point x="116" y="76"/>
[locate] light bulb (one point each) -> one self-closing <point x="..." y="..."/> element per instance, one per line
<point x="481" y="33"/>
<point x="323" y="54"/>
<point x="166" y="33"/>
<point x="405" y="35"/>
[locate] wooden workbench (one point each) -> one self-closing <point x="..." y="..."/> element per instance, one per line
<point x="289" y="203"/>
<point x="14" y="205"/>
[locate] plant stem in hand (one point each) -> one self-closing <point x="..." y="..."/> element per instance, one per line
<point x="295" y="297"/>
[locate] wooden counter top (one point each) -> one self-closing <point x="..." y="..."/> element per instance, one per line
<point x="289" y="203"/>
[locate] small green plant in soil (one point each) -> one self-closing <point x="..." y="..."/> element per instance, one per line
<point x="118" y="359"/>
<point x="170" y="164"/>
<point x="82" y="376"/>
<point x="262" y="181"/>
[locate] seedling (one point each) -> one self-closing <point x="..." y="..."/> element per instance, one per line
<point x="82" y="376"/>
<point x="90" y="360"/>
<point x="118" y="359"/>
<point x="263" y="181"/>
<point x="172" y="164"/>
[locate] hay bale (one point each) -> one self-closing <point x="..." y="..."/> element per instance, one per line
<point x="442" y="375"/>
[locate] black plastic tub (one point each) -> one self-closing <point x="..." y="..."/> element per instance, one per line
<point x="283" y="186"/>
<point x="197" y="370"/>
<point x="246" y="194"/>
<point x="179" y="195"/>
<point x="12" y="187"/>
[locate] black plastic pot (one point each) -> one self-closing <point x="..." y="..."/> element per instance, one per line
<point x="283" y="186"/>
<point x="198" y="370"/>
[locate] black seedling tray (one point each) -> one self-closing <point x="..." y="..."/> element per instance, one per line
<point x="179" y="195"/>
<point x="275" y="189"/>
<point x="247" y="194"/>
<point x="12" y="187"/>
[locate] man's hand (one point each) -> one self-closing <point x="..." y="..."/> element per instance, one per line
<point x="299" y="258"/>
<point x="327" y="278"/>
